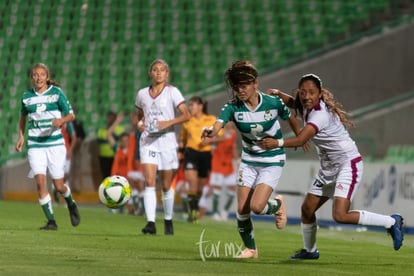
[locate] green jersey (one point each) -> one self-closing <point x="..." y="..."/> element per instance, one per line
<point x="41" y="109"/>
<point x="254" y="125"/>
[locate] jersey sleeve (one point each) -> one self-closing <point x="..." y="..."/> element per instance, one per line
<point x="318" y="119"/>
<point x="226" y="113"/>
<point x="64" y="103"/>
<point x="283" y="110"/>
<point x="177" y="97"/>
<point x="23" y="109"/>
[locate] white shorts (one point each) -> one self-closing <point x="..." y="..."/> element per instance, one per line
<point x="343" y="184"/>
<point x="250" y="176"/>
<point x="48" y="158"/>
<point x="66" y="168"/>
<point x="221" y="180"/>
<point x="165" y="160"/>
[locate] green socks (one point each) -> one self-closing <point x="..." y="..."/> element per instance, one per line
<point x="245" y="228"/>
<point x="46" y="204"/>
<point x="215" y="203"/>
<point x="230" y="198"/>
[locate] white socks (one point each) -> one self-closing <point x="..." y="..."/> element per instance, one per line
<point x="68" y="192"/>
<point x="372" y="219"/>
<point x="45" y="200"/>
<point x="150" y="202"/>
<point x="168" y="204"/>
<point x="309" y="236"/>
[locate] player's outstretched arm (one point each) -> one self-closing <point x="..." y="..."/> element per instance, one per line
<point x="286" y="98"/>
<point x="212" y="130"/>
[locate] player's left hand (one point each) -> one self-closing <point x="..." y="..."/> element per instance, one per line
<point x="57" y="122"/>
<point x="267" y="143"/>
<point x="163" y="124"/>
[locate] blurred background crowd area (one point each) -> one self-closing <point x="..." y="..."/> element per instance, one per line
<point x="100" y="50"/>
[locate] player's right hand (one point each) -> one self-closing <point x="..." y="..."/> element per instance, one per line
<point x="207" y="131"/>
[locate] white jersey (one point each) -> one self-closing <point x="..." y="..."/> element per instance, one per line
<point x="332" y="140"/>
<point x="160" y="108"/>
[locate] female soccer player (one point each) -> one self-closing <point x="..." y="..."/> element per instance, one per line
<point x="341" y="164"/>
<point x="158" y="144"/>
<point x="255" y="115"/>
<point x="47" y="108"/>
<point x="197" y="153"/>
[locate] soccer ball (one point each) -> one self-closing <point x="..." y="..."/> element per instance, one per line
<point x="114" y="191"/>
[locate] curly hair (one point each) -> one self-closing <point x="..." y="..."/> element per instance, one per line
<point x="241" y="72"/>
<point x="333" y="105"/>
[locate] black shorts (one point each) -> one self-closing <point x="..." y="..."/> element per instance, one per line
<point x="197" y="160"/>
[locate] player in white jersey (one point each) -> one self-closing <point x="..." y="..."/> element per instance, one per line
<point x="341" y="164"/>
<point x="255" y="115"/>
<point x="158" y="143"/>
<point x="47" y="109"/>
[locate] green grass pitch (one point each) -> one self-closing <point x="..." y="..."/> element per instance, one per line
<point x="112" y="244"/>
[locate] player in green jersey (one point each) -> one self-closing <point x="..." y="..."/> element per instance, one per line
<point x="256" y="116"/>
<point x="46" y="108"/>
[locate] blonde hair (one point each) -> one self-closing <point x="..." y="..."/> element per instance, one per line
<point x="336" y="107"/>
<point x="46" y="68"/>
<point x="159" y="60"/>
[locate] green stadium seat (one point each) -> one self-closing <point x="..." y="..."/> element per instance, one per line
<point x="112" y="43"/>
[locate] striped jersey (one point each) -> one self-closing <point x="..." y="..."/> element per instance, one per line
<point x="41" y="109"/>
<point x="254" y="125"/>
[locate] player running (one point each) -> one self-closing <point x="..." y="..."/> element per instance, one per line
<point x="255" y="115"/>
<point x="341" y="164"/>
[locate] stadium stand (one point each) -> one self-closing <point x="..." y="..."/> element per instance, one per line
<point x="100" y="52"/>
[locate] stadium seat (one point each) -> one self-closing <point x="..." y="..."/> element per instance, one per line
<point x="112" y="43"/>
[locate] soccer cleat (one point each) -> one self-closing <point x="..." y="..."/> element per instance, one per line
<point x="224" y="215"/>
<point x="168" y="227"/>
<point x="50" y="225"/>
<point x="280" y="215"/>
<point x="396" y="231"/>
<point x="149" y="228"/>
<point x="74" y="214"/>
<point x="193" y="217"/>
<point x="217" y="217"/>
<point x="305" y="255"/>
<point x="248" y="253"/>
